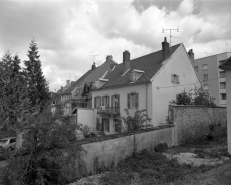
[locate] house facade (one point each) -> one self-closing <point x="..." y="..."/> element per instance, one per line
<point x="227" y="67"/>
<point x="213" y="78"/>
<point x="148" y="82"/>
<point x="78" y="95"/>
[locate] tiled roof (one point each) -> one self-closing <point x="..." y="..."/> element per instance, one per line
<point x="91" y="76"/>
<point x="77" y="83"/>
<point x="226" y="65"/>
<point x="150" y="64"/>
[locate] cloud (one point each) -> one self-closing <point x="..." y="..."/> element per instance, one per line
<point x="69" y="32"/>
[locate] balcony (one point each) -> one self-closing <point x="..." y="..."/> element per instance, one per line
<point x="108" y="110"/>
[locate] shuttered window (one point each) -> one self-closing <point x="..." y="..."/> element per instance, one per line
<point x="133" y="100"/>
<point x="105" y="101"/>
<point x="97" y="102"/>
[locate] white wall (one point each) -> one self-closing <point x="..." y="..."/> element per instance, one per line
<point x="163" y="90"/>
<point x="85" y="117"/>
<point x="145" y="99"/>
<point x="228" y="90"/>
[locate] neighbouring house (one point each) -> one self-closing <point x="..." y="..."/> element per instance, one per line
<point x="55" y="99"/>
<point x="226" y="65"/>
<point x="213" y="78"/>
<point x="148" y="82"/>
<point x="78" y="95"/>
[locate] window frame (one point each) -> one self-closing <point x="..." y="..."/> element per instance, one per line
<point x="133" y="100"/>
<point x="222" y="85"/>
<point x="97" y="100"/>
<point x="222" y="96"/>
<point x="206" y="85"/>
<point x="222" y="74"/>
<point x="205" y="79"/>
<point x="175" y="79"/>
<point x="205" y="67"/>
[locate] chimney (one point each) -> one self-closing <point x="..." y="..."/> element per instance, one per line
<point x="165" y="49"/>
<point x="109" y="57"/>
<point x="93" y="66"/>
<point x="61" y="89"/>
<point x="68" y="82"/>
<point x="72" y="82"/>
<point x="126" y="61"/>
<point x="191" y="54"/>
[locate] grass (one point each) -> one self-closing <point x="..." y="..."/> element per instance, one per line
<point x="150" y="167"/>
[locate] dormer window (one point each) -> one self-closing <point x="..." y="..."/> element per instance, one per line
<point x="135" y="75"/>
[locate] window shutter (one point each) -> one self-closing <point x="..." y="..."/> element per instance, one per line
<point x="100" y="101"/>
<point x="119" y="122"/>
<point x="97" y="124"/>
<point x="118" y="97"/>
<point x="95" y="102"/>
<point x="129" y="101"/>
<point x="111" y="100"/>
<point x="137" y="100"/>
<point x="108" y="100"/>
<point x="103" y="99"/>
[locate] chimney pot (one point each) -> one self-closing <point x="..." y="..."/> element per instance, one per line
<point x="126" y="61"/>
<point x="109" y="57"/>
<point x="191" y="54"/>
<point x="93" y="66"/>
<point x="68" y="82"/>
<point x="165" y="49"/>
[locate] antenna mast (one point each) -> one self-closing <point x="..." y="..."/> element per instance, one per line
<point x="94" y="56"/>
<point x="170" y="30"/>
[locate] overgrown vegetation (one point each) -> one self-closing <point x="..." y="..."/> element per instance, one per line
<point x="146" y="168"/>
<point x="196" y="96"/>
<point x="136" y="121"/>
<point x="48" y="154"/>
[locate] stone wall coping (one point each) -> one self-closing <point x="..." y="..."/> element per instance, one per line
<point x="197" y="106"/>
<point x="118" y="135"/>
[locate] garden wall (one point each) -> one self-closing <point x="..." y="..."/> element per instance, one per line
<point x="193" y="122"/>
<point x="109" y="150"/>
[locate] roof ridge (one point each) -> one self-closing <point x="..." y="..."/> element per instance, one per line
<point x="153" y="52"/>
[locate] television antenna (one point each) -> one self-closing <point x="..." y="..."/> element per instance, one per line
<point x="170" y="31"/>
<point x="94" y="56"/>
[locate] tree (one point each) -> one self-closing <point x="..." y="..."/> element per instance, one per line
<point x="37" y="84"/>
<point x="49" y="153"/>
<point x="14" y="103"/>
<point x="196" y="96"/>
<point x="136" y="121"/>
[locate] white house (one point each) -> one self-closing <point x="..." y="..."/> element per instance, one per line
<point x="148" y="82"/>
<point x="227" y="67"/>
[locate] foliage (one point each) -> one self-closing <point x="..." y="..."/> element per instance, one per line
<point x="37" y="84"/>
<point x="161" y="147"/>
<point x="149" y="166"/>
<point x="14" y="102"/>
<point x="196" y="96"/>
<point x="48" y="154"/>
<point x="136" y="121"/>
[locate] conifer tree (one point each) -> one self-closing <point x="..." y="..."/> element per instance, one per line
<point x="37" y="84"/>
<point x="13" y="96"/>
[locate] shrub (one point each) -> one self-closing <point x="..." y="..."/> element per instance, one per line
<point x="161" y="147"/>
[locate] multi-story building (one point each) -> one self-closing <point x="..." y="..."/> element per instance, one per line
<point x="213" y="78"/>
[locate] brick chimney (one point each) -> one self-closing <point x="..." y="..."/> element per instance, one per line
<point x="93" y="66"/>
<point x="68" y="82"/>
<point x="165" y="49"/>
<point x="61" y="89"/>
<point x="109" y="58"/>
<point x="126" y="61"/>
<point x="191" y="54"/>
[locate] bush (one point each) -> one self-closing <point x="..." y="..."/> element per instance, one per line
<point x="161" y="147"/>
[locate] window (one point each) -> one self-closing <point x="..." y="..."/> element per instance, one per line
<point x="205" y="66"/>
<point x="118" y="126"/>
<point x="105" y="101"/>
<point x="97" y="102"/>
<point x="133" y="100"/>
<point x="99" y="126"/>
<point x="222" y="85"/>
<point x="105" y="123"/>
<point x="115" y="100"/>
<point x="175" y="79"/>
<point x="196" y="68"/>
<point x="135" y="74"/>
<point x="206" y="77"/>
<point x="223" y="96"/>
<point x="206" y="87"/>
<point x="222" y="74"/>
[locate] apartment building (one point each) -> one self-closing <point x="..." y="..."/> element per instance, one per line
<point x="213" y="78"/>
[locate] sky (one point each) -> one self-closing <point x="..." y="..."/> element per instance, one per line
<point x="72" y="34"/>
